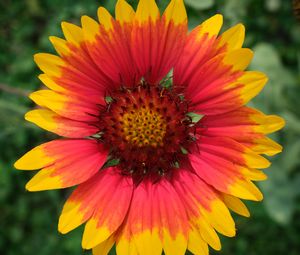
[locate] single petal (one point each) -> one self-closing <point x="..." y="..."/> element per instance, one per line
<point x="72" y="33"/>
<point x="245" y="125"/>
<point x="104" y="247"/>
<point x="60" y="45"/>
<point x="50" y="83"/>
<point x="94" y="196"/>
<point x="211" y="26"/>
<point x="236" y="205"/>
<point x="53" y="122"/>
<point x="105" y="18"/>
<point x="113" y="200"/>
<point x="124" y="12"/>
<point x="176" y="13"/>
<point x="207" y="233"/>
<point x="238" y="59"/>
<point x="29" y="162"/>
<point x="67" y="172"/>
<point x="147" y="10"/>
<point x="45" y="179"/>
<point x="76" y="166"/>
<point x="49" y="64"/>
<point x="126" y="247"/>
<point x="196" y="244"/>
<point x="65" y="163"/>
<point x="253" y="174"/>
<point x="75" y="107"/>
<point x="232" y="39"/>
<point x="90" y="28"/>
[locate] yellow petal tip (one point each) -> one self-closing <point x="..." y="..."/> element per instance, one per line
<point x="217" y="19"/>
<point x="147" y="9"/>
<point x="124" y="12"/>
<point x="176" y="12"/>
<point x="18" y="164"/>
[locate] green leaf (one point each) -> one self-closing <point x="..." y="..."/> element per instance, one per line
<point x="273" y="5"/>
<point x="6" y="105"/>
<point x="266" y="57"/>
<point x="290" y="157"/>
<point x="108" y="99"/>
<point x="112" y="162"/>
<point x="279" y="195"/>
<point x="268" y="60"/>
<point x="194" y="116"/>
<point x="235" y="10"/>
<point x="200" y="4"/>
<point x="292" y="122"/>
<point x="184" y="151"/>
<point x="296" y="184"/>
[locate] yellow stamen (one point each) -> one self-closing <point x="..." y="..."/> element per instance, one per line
<point x="144" y="127"/>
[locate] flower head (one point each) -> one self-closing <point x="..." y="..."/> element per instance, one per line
<point x="123" y="93"/>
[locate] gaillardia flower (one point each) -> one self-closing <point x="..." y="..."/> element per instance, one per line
<point x="124" y="93"/>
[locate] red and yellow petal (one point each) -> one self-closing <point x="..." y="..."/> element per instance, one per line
<point x="126" y="247"/>
<point x="157" y="42"/>
<point x="227" y="166"/>
<point x="196" y="243"/>
<point x="105" y="18"/>
<point x="205" y="209"/>
<point x="80" y="72"/>
<point x="231" y="39"/>
<point x="53" y="122"/>
<point x="235" y="204"/>
<point x="225" y="87"/>
<point x="124" y="12"/>
<point x="51" y="84"/>
<point x="245" y="125"/>
<point x="103" y="200"/>
<point x="203" y="44"/>
<point x="75" y="107"/>
<point x="109" y="45"/>
<point x="49" y="64"/>
<point x="148" y="226"/>
<point x="199" y="42"/>
<point x="72" y="33"/>
<point x="75" y="95"/>
<point x="147" y="10"/>
<point x="104" y="247"/>
<point x="65" y="163"/>
<point x="74" y="70"/>
<point x="103" y="223"/>
<point x="222" y="62"/>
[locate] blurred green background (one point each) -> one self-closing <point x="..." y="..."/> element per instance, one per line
<point x="28" y="221"/>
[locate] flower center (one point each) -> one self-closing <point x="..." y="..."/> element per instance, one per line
<point x="146" y="127"/>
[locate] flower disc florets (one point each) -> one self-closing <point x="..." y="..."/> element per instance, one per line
<point x="147" y="128"/>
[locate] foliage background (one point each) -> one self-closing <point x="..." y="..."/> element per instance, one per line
<point x="28" y="221"/>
